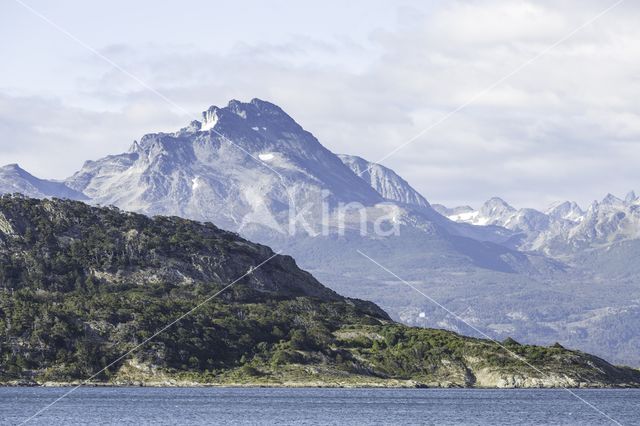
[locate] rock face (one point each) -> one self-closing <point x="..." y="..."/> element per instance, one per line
<point x="80" y="286"/>
<point x="385" y="181"/>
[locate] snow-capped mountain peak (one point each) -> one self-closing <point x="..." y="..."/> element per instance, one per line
<point x="562" y="228"/>
<point x="567" y="210"/>
<point x="496" y="208"/>
<point x="14" y="167"/>
<point x="494" y="211"/>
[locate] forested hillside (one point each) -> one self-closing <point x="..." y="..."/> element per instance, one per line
<point x="80" y="286"/>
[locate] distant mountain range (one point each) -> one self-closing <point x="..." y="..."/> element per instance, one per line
<point x="564" y="275"/>
<point x="564" y="229"/>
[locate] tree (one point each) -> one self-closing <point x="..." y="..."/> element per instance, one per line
<point x="299" y="340"/>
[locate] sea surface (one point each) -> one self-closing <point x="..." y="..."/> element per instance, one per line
<point x="257" y="406"/>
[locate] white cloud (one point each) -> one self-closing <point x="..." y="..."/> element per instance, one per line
<point x="52" y="140"/>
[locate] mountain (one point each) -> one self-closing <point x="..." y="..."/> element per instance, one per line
<point x="385" y="181"/>
<point x="251" y="168"/>
<point x="565" y="229"/>
<point x="607" y="222"/>
<point x="632" y="198"/>
<point x="445" y="211"/>
<point x="246" y="164"/>
<point x="81" y="286"/>
<point x="497" y="212"/>
<point x="13" y="179"/>
<point x="567" y="210"/>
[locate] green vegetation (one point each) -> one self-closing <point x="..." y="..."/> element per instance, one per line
<point x="80" y="286"/>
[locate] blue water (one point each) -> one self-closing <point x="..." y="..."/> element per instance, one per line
<point x="254" y="406"/>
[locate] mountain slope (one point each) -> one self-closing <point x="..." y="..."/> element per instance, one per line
<point x="385" y="181"/>
<point x="82" y="285"/>
<point x="14" y="179"/>
<point x="609" y="221"/>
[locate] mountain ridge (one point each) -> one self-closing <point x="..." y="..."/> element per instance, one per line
<point x="564" y="227"/>
<point x="385" y="181"/>
<point x="13" y="178"/>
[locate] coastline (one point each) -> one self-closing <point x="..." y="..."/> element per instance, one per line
<point x="391" y="384"/>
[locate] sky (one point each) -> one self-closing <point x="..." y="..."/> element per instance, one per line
<point x="534" y="102"/>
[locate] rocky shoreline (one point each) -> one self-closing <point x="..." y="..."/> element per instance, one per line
<point x="386" y="384"/>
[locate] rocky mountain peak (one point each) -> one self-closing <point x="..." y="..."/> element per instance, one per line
<point x="209" y="118"/>
<point x="567" y="210"/>
<point x="496" y="206"/>
<point x="14" y="179"/>
<point x="384" y="180"/>
<point x="631" y="197"/>
<point x="11" y="167"/>
<point x="257" y="114"/>
<point x="193" y="127"/>
<point x="611" y="200"/>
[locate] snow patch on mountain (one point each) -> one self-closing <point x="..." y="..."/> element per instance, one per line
<point x="493" y="212"/>
<point x="195" y="183"/>
<point x="266" y="156"/>
<point x="209" y="119"/>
